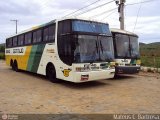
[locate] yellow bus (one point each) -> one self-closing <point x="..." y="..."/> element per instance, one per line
<point x="127" y="56"/>
<point x="71" y="49"/>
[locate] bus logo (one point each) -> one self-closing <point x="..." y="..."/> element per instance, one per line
<point x="66" y="72"/>
<point x="125" y="60"/>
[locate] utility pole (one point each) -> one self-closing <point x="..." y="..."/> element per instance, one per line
<point x="16" y="21"/>
<point x="120" y="4"/>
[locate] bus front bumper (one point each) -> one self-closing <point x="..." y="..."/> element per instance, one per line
<point x="93" y="75"/>
<point x="127" y="69"/>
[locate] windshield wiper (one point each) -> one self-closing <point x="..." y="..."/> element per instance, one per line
<point x="101" y="46"/>
<point x="136" y="56"/>
<point x="96" y="46"/>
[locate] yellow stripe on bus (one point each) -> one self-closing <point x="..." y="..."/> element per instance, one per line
<point x="21" y="60"/>
<point x="25" y="58"/>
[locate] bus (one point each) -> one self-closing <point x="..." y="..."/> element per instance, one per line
<point x="71" y="49"/>
<point x="126" y="49"/>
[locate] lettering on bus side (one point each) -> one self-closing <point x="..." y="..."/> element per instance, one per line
<point x="50" y="50"/>
<point x="18" y="50"/>
<point x="91" y="66"/>
<point x="8" y="51"/>
<point x="125" y="60"/>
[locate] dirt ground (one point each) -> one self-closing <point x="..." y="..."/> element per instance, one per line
<point x="24" y="92"/>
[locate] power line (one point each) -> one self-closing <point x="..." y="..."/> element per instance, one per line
<point x="82" y="8"/>
<point x="46" y="5"/>
<point x="108" y="15"/>
<point x="104" y="12"/>
<point x="95" y="8"/>
<point x="141" y="2"/>
<point x="137" y="16"/>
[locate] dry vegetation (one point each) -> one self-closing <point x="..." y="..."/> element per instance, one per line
<point x="150" y="54"/>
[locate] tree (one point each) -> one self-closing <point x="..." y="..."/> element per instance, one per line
<point x="2" y="49"/>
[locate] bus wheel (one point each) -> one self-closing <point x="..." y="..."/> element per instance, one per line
<point x="51" y="73"/>
<point x="116" y="76"/>
<point x="15" y="66"/>
<point x="11" y="64"/>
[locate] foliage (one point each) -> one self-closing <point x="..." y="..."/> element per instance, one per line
<point x="152" y="49"/>
<point x="150" y="54"/>
<point x="2" y="48"/>
<point x="150" y="61"/>
<point x="2" y="56"/>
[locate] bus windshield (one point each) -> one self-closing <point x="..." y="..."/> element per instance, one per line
<point x="127" y="46"/>
<point x="93" y="49"/>
<point x="89" y="26"/>
<point x="84" y="42"/>
<point x="134" y="47"/>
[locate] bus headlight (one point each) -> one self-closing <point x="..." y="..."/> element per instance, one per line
<point x="116" y="64"/>
<point x="104" y="65"/>
<point x="112" y="64"/>
<point x="138" y="62"/>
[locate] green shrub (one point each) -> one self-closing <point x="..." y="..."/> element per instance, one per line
<point x="150" y="61"/>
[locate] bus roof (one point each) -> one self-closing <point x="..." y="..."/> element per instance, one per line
<point x="116" y="30"/>
<point x="51" y="22"/>
<point x="33" y="28"/>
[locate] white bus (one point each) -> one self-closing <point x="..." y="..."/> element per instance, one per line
<point x="70" y="49"/>
<point x="126" y="49"/>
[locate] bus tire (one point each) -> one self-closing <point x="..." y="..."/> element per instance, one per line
<point x="51" y="73"/>
<point x="15" y="66"/>
<point x="11" y="64"/>
<point x="116" y="76"/>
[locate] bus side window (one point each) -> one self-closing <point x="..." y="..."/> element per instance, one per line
<point x="28" y="38"/>
<point x="34" y="37"/>
<point x="39" y="36"/>
<point x="14" y="41"/>
<point x="20" y="40"/>
<point x="45" y="34"/>
<point x="51" y="33"/>
<point x="64" y="27"/>
<point x="7" y="42"/>
<point x="10" y="42"/>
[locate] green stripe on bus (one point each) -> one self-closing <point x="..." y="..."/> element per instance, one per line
<point x="133" y="61"/>
<point x="31" y="57"/>
<point x="35" y="57"/>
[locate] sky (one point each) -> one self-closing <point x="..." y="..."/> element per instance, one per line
<point x="142" y="19"/>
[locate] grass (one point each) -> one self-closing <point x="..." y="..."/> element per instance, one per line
<point x="2" y="56"/>
<point x="150" y="61"/>
<point x="150" y="55"/>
